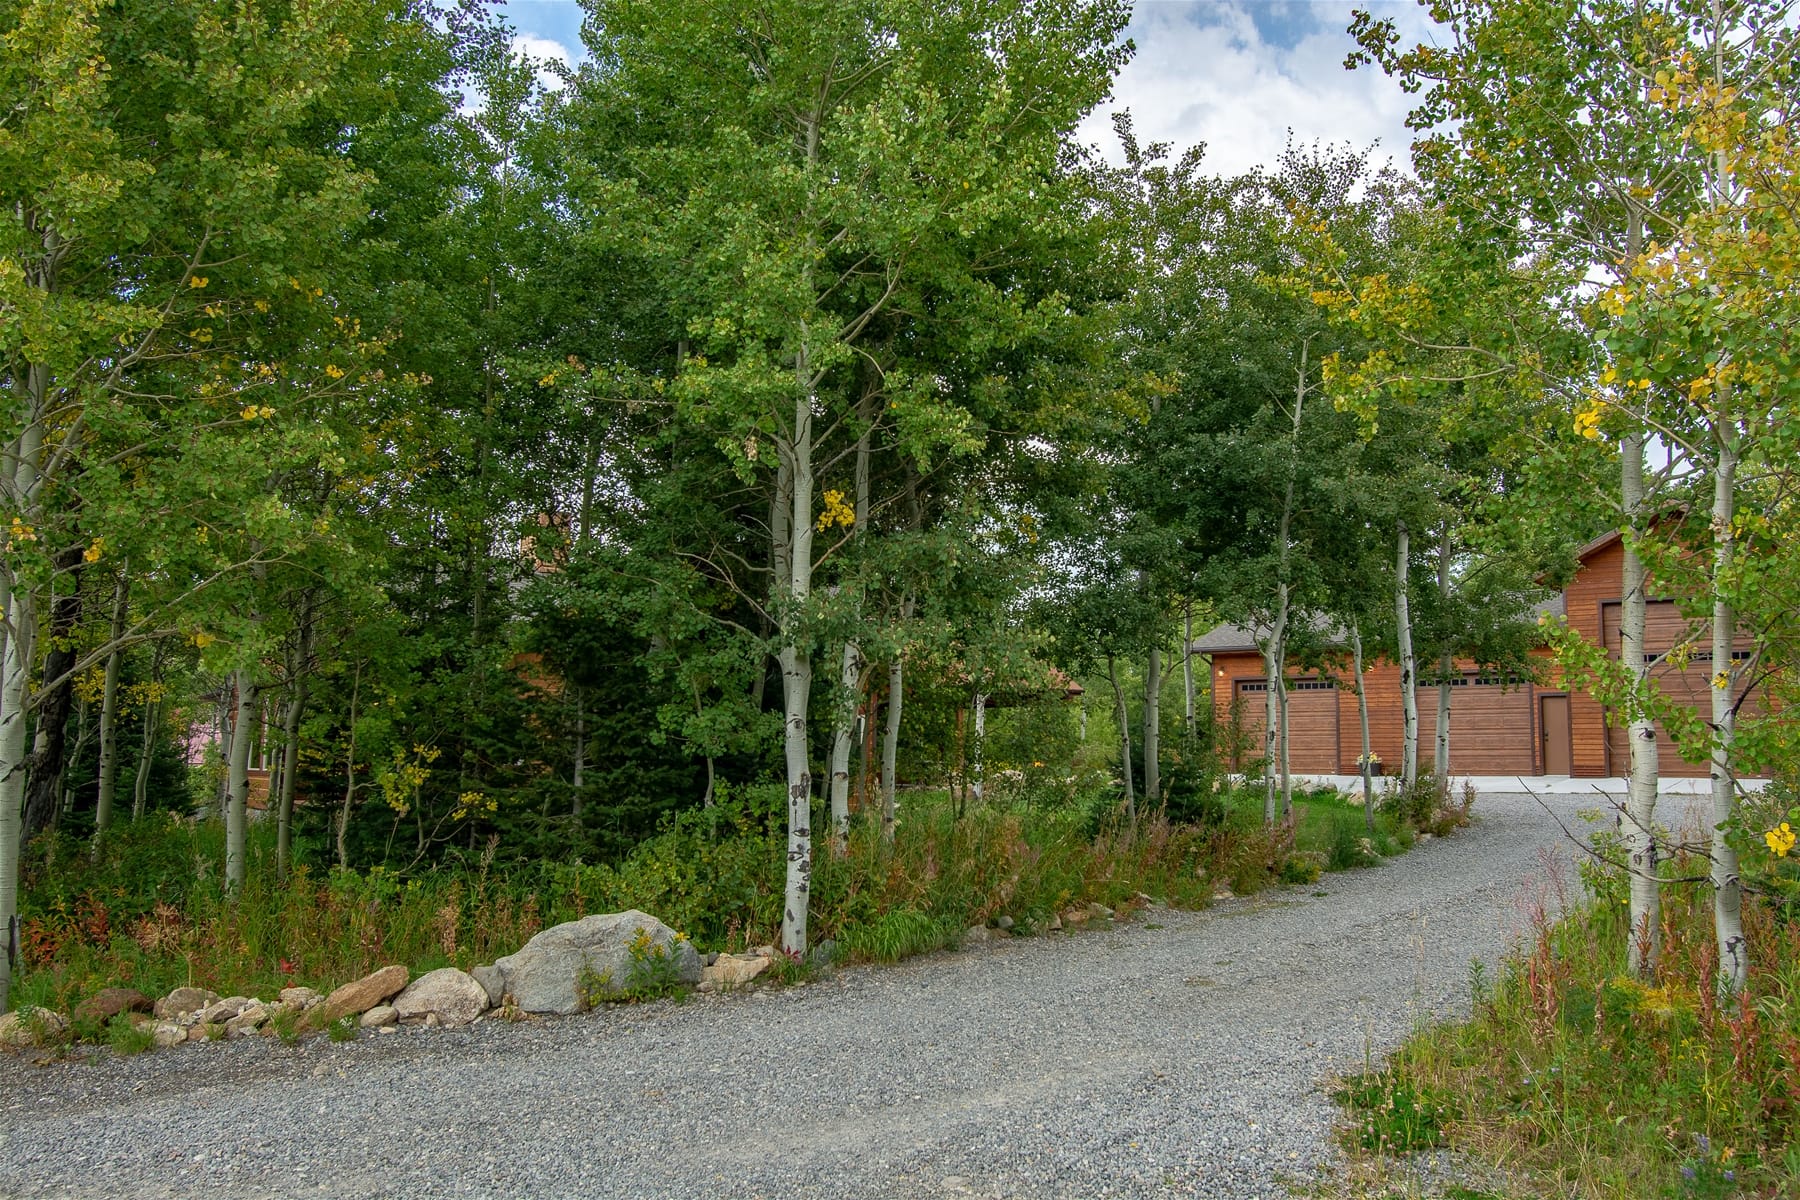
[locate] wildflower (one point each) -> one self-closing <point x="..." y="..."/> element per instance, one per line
<point x="1780" y="840"/>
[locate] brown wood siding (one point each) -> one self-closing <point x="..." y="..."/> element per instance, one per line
<point x="1312" y="720"/>
<point x="1596" y="583"/>
<point x="1491" y="728"/>
<point x="1685" y="677"/>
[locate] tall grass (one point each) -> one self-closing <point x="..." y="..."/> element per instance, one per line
<point x="146" y="906"/>
<point x="1592" y="1084"/>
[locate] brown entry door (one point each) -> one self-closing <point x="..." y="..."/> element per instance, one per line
<point x="1559" y="756"/>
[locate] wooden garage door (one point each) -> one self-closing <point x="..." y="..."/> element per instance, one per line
<point x="1312" y="708"/>
<point x="1689" y="684"/>
<point x="1490" y="726"/>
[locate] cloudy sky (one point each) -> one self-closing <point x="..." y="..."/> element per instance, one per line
<point x="1234" y="74"/>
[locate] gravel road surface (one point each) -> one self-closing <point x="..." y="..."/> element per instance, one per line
<point x="1175" y="1054"/>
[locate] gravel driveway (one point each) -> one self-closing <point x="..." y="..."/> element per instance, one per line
<point x="1177" y="1054"/>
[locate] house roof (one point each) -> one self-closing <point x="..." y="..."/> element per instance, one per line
<point x="1225" y="639"/>
<point x="1240" y="639"/>
<point x="1237" y="639"/>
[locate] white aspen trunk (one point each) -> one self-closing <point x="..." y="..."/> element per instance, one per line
<point x="1153" y="728"/>
<point x="1728" y="926"/>
<point x="20" y="475"/>
<point x="1440" y="761"/>
<point x="1275" y="741"/>
<point x="238" y="782"/>
<point x="15" y="680"/>
<point x="1187" y="672"/>
<point x="140" y="785"/>
<point x="298" y="669"/>
<point x="890" y="744"/>
<point x="1287" y="774"/>
<point x="1364" y="765"/>
<point x="850" y="676"/>
<point x="140" y="788"/>
<point x="795" y="654"/>
<point x="1409" y="666"/>
<point x="1446" y="664"/>
<point x="1637" y="822"/>
<point x="1112" y="672"/>
<point x="975" y="778"/>
<point x="1273" y="658"/>
<point x="843" y="734"/>
<point x="109" y="707"/>
<point x="343" y="817"/>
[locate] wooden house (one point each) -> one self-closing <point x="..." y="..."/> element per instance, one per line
<point x="1497" y="726"/>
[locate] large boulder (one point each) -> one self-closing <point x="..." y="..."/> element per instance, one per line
<point x="455" y="997"/>
<point x="108" y="1003"/>
<point x="572" y="966"/>
<point x="30" y="1027"/>
<point x="360" y="996"/>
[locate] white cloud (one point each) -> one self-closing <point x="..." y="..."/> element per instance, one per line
<point x="1206" y="72"/>
<point x="542" y="50"/>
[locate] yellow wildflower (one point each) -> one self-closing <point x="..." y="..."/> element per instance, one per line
<point x="836" y="512"/>
<point x="1780" y="840"/>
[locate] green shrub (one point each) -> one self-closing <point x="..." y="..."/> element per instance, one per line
<point x="341" y="1030"/>
<point x="896" y="935"/>
<point x="1392" y="1114"/>
<point x="1351" y="846"/>
<point x="1593" y="1083"/>
<point x="127" y="1038"/>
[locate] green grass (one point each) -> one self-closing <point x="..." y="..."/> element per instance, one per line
<point x="1582" y="1082"/>
<point x="147" y="909"/>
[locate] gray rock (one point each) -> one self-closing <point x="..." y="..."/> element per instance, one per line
<point x="823" y="954"/>
<point x="450" y="995"/>
<point x="247" y="1021"/>
<point x="221" y="1011"/>
<point x="379" y="1017"/>
<point x="183" y="1001"/>
<point x="365" y="993"/>
<point x="30" y="1027"/>
<point x="168" y="1033"/>
<point x="492" y="982"/>
<point x="299" y="999"/>
<point x="977" y="935"/>
<point x="1099" y="912"/>
<point x="567" y="967"/>
<point x="1005" y="923"/>
<point x="731" y="971"/>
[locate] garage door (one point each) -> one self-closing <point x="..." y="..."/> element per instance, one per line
<point x="1688" y="682"/>
<point x="1312" y="709"/>
<point x="1490" y="726"/>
